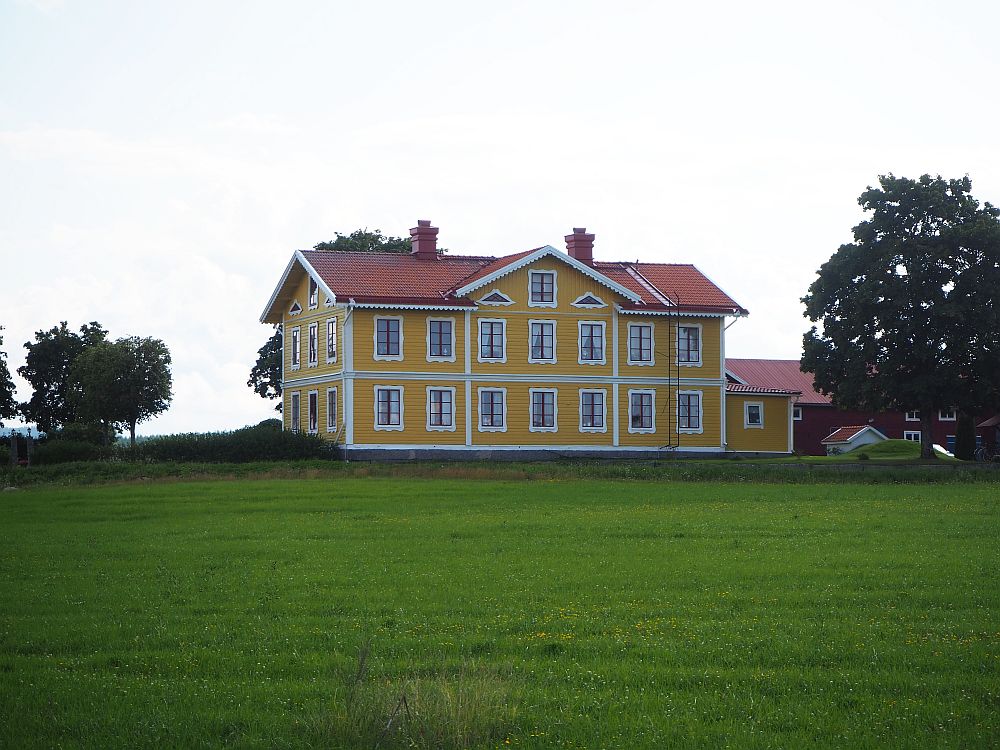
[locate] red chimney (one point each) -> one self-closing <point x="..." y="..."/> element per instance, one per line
<point x="580" y="245"/>
<point x="423" y="238"/>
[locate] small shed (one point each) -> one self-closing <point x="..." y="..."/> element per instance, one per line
<point x="845" y="439"/>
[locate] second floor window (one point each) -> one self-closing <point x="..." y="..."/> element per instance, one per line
<point x="331" y="340"/>
<point x="439" y="339"/>
<point x="296" y="352"/>
<point x="542" y="287"/>
<point x="491" y="335"/>
<point x="313" y="344"/>
<point x="640" y="343"/>
<point x="388" y="337"/>
<point x="591" y="342"/>
<point x="689" y="345"/>
<point x="543" y="341"/>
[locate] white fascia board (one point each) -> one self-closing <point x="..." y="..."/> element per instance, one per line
<point x="391" y="306"/>
<point x="543" y="252"/>
<point x="678" y="313"/>
<point x="735" y="377"/>
<point x="307" y="267"/>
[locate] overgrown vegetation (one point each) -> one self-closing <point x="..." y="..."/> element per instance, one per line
<point x="543" y="614"/>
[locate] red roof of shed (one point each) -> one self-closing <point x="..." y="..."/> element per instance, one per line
<point x="777" y="373"/>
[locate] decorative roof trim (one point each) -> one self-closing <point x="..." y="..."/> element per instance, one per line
<point x="579" y="303"/>
<point x="734" y="376"/>
<point x="307" y="267"/>
<point x="483" y="300"/>
<point x="673" y="313"/>
<point x="543" y="252"/>
<point x="395" y="306"/>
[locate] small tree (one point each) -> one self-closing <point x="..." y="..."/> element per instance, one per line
<point x="265" y="377"/>
<point x="910" y="311"/>
<point x="8" y="406"/>
<point x="123" y="383"/>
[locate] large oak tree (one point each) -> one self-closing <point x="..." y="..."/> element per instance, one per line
<point x="909" y="312"/>
<point x="8" y="406"/>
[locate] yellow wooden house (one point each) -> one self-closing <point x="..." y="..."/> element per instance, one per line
<point x="543" y="352"/>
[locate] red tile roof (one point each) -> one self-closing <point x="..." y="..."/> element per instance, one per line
<point x="683" y="284"/>
<point x="494" y="265"/>
<point x="739" y="388"/>
<point x="843" y="434"/>
<point x="777" y="373"/>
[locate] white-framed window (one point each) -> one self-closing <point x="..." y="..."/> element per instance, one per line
<point x="542" y="342"/>
<point x="440" y="409"/>
<point x="388" y="338"/>
<point x="797" y="413"/>
<point x="331" y="409"/>
<point x="591" y="350"/>
<point x="542" y="288"/>
<point x="753" y="414"/>
<point x="544" y="410"/>
<point x="296" y="344"/>
<point x="496" y="298"/>
<point x="912" y="435"/>
<point x="642" y="410"/>
<point x="689" y="414"/>
<point x="440" y="339"/>
<point x="294" y="411"/>
<point x="492" y="409"/>
<point x="313" y="294"/>
<point x="589" y="300"/>
<point x="593" y="410"/>
<point x="313" y="344"/>
<point x="947" y="415"/>
<point x="640" y="343"/>
<point x="689" y="345"/>
<point x="492" y="340"/>
<point x="913" y="416"/>
<point x="331" y="340"/>
<point x="388" y="407"/>
<point x="312" y="399"/>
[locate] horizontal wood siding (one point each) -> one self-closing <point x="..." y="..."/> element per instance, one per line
<point x="303" y="392"/>
<point x="302" y="321"/>
<point x="414" y="330"/>
<point x="666" y="419"/>
<point x="414" y="413"/>
<point x="665" y="346"/>
<point x="774" y="434"/>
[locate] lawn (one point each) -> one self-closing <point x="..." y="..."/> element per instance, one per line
<point x="586" y="614"/>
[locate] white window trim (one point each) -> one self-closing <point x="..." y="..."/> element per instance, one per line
<point x="908" y="433"/>
<point x="479" y="410"/>
<point x="701" y="345"/>
<point x="295" y="345"/>
<point x="701" y="413"/>
<point x="604" y="409"/>
<point x="313" y="336"/>
<point x="943" y="418"/>
<point x="482" y="300"/>
<point x="604" y="342"/>
<point x="328" y="302"/>
<point x="641" y="430"/>
<point x="915" y="417"/>
<point x="746" y="415"/>
<point x="336" y="340"/>
<point x="295" y="405"/>
<point x="796" y="413"/>
<point x="555" y="288"/>
<point x="479" y="339"/>
<point x="386" y="357"/>
<point x="652" y="345"/>
<point x="431" y="358"/>
<point x="312" y="292"/>
<point x="555" y="347"/>
<point x="441" y="428"/>
<point x="331" y="427"/>
<point x="389" y="427"/>
<point x="555" y="409"/>
<point x="309" y="415"/>
<point x="600" y="303"/>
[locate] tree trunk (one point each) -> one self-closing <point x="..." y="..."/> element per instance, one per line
<point x="927" y="433"/>
<point x="131" y="434"/>
<point x="965" y="437"/>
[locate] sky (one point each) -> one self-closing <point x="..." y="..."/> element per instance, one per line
<point x="160" y="162"/>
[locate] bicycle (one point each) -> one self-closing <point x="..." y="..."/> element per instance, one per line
<point x="983" y="454"/>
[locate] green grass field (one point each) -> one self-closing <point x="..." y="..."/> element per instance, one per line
<point x="585" y="614"/>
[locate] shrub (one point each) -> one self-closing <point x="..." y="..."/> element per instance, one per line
<point x="262" y="442"/>
<point x="63" y="451"/>
<point x="864" y="457"/>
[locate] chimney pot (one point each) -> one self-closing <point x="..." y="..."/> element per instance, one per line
<point x="580" y="245"/>
<point x="423" y="240"/>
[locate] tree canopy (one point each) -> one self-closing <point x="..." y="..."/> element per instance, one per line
<point x="46" y="368"/>
<point x="122" y="383"/>
<point x="265" y="377"/>
<point x="367" y="241"/>
<point x="8" y="406"/>
<point x="909" y="312"/>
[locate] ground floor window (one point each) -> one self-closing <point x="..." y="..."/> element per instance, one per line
<point x="543" y="410"/>
<point x="797" y="413"/>
<point x="331" y="409"/>
<point x="689" y="411"/>
<point x="592" y="411"/>
<point x="912" y="435"/>
<point x="294" y="411"/>
<point x="388" y="408"/>
<point x="313" y="412"/>
<point x="440" y="408"/>
<point x="640" y="411"/>
<point x="753" y="414"/>
<point x="492" y="409"/>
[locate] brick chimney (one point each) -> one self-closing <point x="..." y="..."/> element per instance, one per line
<point x="423" y="238"/>
<point x="580" y="245"/>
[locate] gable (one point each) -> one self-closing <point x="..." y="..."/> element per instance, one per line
<point x="294" y="285"/>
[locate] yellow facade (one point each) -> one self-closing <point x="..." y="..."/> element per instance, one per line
<point x="772" y="436"/>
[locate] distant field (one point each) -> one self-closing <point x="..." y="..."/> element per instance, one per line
<point x="579" y="614"/>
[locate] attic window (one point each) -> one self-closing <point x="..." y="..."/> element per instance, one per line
<point x="313" y="293"/>
<point x="496" y="297"/>
<point x="295" y="309"/>
<point x="589" y="300"/>
<point x="329" y="302"/>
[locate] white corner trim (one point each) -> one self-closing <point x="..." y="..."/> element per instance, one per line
<point x="436" y="358"/>
<point x="555" y="349"/>
<point x="479" y="410"/>
<point x="479" y="339"/>
<point x="531" y="410"/>
<point x="441" y="428"/>
<point x="642" y="430"/>
<point x="386" y="357"/>
<point x="389" y="427"/>
<point x="701" y="413"/>
<point x="746" y="415"/>
<point x="652" y="345"/>
<point x="604" y="342"/>
<point x="555" y="287"/>
<point x="604" y="410"/>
